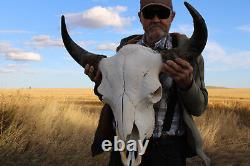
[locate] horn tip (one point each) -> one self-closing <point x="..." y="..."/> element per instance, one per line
<point x="187" y="4"/>
<point x="63" y="17"/>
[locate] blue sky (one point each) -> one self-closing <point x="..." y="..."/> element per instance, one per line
<point x="32" y="54"/>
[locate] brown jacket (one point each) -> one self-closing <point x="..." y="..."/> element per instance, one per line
<point x="193" y="103"/>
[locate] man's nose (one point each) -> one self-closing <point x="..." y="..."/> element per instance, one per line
<point x="155" y="19"/>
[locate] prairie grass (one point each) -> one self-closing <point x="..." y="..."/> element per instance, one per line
<point x="49" y="131"/>
<point x="56" y="127"/>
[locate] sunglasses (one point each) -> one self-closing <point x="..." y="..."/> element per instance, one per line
<point x="161" y="12"/>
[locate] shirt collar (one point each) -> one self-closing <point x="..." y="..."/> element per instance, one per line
<point x="163" y="43"/>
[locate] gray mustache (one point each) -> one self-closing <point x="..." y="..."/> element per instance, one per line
<point x="155" y="26"/>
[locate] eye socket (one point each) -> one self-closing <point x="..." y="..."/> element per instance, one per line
<point x="157" y="92"/>
<point x="156" y="95"/>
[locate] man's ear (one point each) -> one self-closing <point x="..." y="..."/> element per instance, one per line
<point x="172" y="15"/>
<point x="139" y="15"/>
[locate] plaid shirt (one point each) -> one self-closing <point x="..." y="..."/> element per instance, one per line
<point x="161" y="107"/>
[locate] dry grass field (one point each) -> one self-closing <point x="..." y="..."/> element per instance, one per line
<point x="56" y="127"/>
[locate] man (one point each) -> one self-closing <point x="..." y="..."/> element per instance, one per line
<point x="175" y="135"/>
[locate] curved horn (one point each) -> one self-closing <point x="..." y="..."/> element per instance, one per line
<point x="80" y="55"/>
<point x="198" y="41"/>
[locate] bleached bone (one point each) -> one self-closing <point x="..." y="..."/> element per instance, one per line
<point x="130" y="85"/>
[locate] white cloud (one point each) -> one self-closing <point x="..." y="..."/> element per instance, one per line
<point x="214" y="52"/>
<point x="12" y="68"/>
<point x="129" y="31"/>
<point x="186" y="29"/>
<point x="87" y="43"/>
<point x="17" y="54"/>
<point x="6" y="70"/>
<point x="107" y="47"/>
<point x="25" y="56"/>
<point x="218" y="59"/>
<point x="245" y="28"/>
<point x="42" y="41"/>
<point x="99" y="17"/>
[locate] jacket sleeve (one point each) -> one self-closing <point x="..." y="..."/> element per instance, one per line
<point x="96" y="91"/>
<point x="195" y="99"/>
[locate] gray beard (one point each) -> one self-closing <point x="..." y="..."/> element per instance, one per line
<point x="152" y="36"/>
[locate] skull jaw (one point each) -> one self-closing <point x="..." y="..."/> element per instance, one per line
<point x="133" y="158"/>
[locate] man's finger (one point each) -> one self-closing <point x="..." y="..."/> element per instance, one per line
<point x="174" y="65"/>
<point x="183" y="63"/>
<point x="97" y="76"/>
<point x="170" y="71"/>
<point x="91" y="72"/>
<point x="86" y="69"/>
<point x="91" y="69"/>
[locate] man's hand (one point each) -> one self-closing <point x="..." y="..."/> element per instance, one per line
<point x="181" y="71"/>
<point x="89" y="70"/>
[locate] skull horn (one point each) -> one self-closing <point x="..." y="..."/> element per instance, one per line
<point x="80" y="55"/>
<point x="197" y="42"/>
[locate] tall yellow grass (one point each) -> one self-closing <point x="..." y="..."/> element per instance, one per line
<point x="47" y="128"/>
<point x="56" y="127"/>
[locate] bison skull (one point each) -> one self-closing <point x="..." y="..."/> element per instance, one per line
<point x="130" y="85"/>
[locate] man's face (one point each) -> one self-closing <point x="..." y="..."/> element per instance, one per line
<point x="156" y="21"/>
